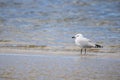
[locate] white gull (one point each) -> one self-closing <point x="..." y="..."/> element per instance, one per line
<point x="84" y="43"/>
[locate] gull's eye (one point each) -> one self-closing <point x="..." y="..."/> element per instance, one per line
<point x="77" y="36"/>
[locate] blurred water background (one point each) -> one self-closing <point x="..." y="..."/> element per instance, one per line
<point x="52" y="23"/>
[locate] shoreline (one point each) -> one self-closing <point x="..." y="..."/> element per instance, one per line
<point x="59" y="67"/>
<point x="21" y="64"/>
<point x="57" y="52"/>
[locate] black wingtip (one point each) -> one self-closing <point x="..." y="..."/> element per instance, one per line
<point x="98" y="46"/>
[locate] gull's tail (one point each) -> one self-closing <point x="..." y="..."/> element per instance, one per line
<point x="98" y="46"/>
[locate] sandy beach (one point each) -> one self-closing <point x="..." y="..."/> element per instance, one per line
<point x="17" y="64"/>
<point x="36" y="39"/>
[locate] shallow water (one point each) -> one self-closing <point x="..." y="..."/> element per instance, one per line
<point x="46" y="67"/>
<point x="54" y="22"/>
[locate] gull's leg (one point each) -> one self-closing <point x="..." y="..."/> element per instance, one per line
<point x="81" y="51"/>
<point x="85" y="50"/>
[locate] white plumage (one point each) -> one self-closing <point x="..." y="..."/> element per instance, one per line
<point x="83" y="42"/>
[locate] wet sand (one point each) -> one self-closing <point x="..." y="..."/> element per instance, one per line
<point x="32" y="31"/>
<point x="58" y="65"/>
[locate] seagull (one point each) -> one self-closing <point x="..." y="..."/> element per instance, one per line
<point x="84" y="43"/>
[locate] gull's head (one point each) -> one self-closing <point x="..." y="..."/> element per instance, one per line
<point x="77" y="35"/>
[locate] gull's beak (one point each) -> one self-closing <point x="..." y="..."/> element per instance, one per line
<point x="73" y="37"/>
